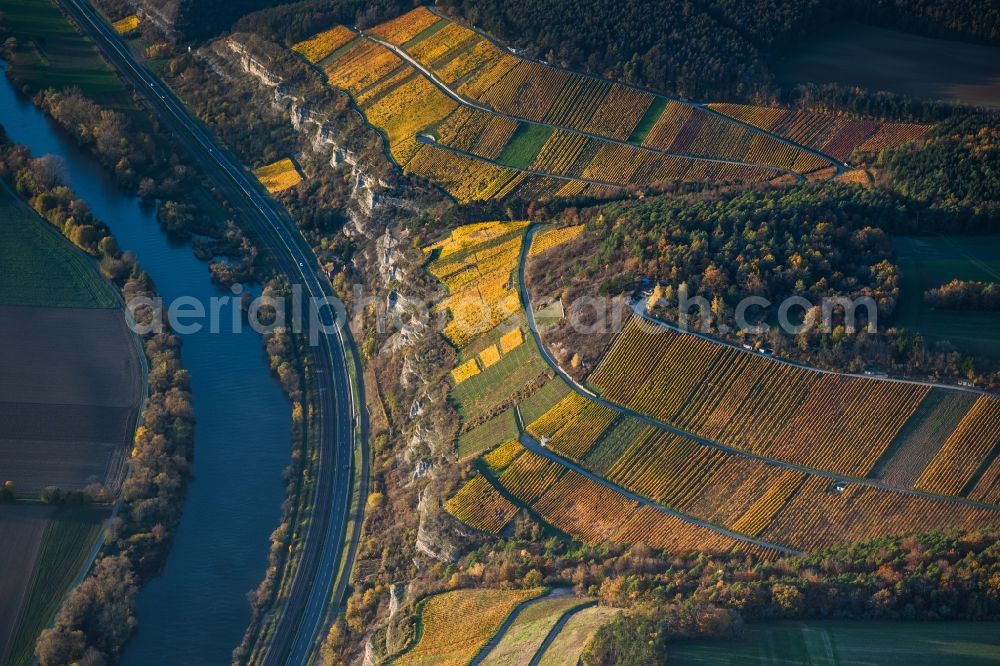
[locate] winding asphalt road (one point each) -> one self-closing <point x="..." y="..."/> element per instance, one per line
<point x="303" y="618"/>
<point x="700" y="105"/>
<point x="432" y="77"/>
<point x="656" y="423"/>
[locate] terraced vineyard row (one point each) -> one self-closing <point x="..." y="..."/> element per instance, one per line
<point x="834" y="135"/>
<point x="753" y="403"/>
<point x="572" y="425"/>
<point x="687" y="130"/>
<point x="748" y="496"/>
<point x="710" y="389"/>
<point x="475" y="264"/>
<point x="969" y="448"/>
<point x="478" y="612"/>
<point x="595" y="513"/>
<point x="480" y="505"/>
<point x="558" y="132"/>
<point x="818" y="515"/>
<point x="480" y="71"/>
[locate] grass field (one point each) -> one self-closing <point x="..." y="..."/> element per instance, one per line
<point x="40" y="268"/>
<point x="929" y="262"/>
<point x="524" y="145"/>
<point x="68" y="539"/>
<point x="482" y="393"/>
<point x="647" y="121"/>
<point x="841" y="643"/>
<point x="525" y="635"/>
<point x="52" y="54"/>
<point x="568" y="645"/>
<point x="496" y="431"/>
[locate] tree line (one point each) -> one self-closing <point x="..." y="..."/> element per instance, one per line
<point x="965" y="295"/>
<point x="97" y="617"/>
<point x="716" y="49"/>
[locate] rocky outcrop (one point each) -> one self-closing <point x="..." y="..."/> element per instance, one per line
<point x="321" y="133"/>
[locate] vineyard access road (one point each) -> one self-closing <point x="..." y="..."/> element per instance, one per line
<point x="774" y="462"/>
<point x="701" y="105"/>
<point x="469" y="103"/>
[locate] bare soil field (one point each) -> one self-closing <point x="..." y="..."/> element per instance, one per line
<point x="23" y="528"/>
<point x="880" y="59"/>
<point x="69" y="396"/>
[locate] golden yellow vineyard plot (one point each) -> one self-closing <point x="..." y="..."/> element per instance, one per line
<point x="278" y="176"/>
<point x="965" y="452"/>
<point x="323" y="44"/>
<point x="408" y="109"/>
<point x="405" y="27"/>
<point x="457" y="624"/>
<point x="758" y="116"/>
<point x="481" y="56"/>
<point x="468" y="369"/>
<point x="550" y="238"/>
<point x="126" y="25"/>
<point x="361" y="65"/>
<point x="476" y="262"/>
<point x="467" y="237"/>
<point x="489" y="356"/>
<point x="767" y="506"/>
<point x="463" y="178"/>
<point x="452" y="36"/>
<point x="512" y="340"/>
<point x="480" y="505"/>
<point x="503" y="455"/>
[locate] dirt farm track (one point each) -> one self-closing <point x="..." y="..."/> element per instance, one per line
<point x="69" y="396"/>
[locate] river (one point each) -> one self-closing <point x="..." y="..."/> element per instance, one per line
<point x="196" y="610"/>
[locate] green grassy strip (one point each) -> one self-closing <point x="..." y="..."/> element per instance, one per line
<point x="613" y="443"/>
<point x="68" y="539"/>
<point x="425" y="33"/>
<point x="38" y="267"/>
<point x="648" y="119"/>
<point x="482" y="438"/>
<point x="524" y="145"/>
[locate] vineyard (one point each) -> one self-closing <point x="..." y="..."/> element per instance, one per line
<point x="278" y="176"/>
<point x="456" y="624"/>
<point x="475" y="264"/>
<point x="833" y="135"/>
<point x="746" y="401"/>
<point x="127" y="25"/>
<point x="532" y="91"/>
<point x="551" y="237"/>
<point x="480" y="505"/>
<point x="322" y="45"/>
<point x="973" y="443"/>
<point x="572" y="425"/>
<point x="753" y="403"/>
<point x="484" y="124"/>
<point x="819" y="515"/>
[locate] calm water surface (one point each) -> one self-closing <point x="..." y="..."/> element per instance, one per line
<point x="195" y="612"/>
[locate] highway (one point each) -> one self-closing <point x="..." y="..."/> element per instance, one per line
<point x="339" y="418"/>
